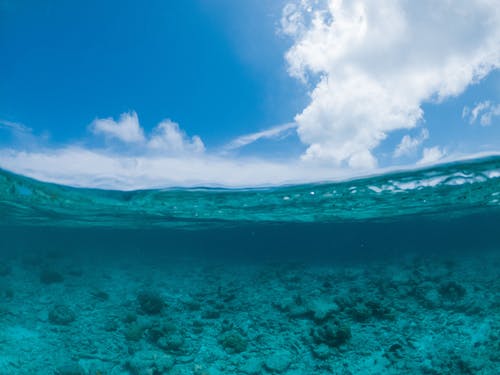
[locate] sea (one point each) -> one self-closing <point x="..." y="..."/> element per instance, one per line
<point x="395" y="273"/>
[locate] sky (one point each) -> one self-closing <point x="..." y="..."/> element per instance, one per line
<point x="127" y="94"/>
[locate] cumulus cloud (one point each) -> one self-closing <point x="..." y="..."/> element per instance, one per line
<point x="484" y="111"/>
<point x="431" y="155"/>
<point x="409" y="145"/>
<point x="126" y="129"/>
<point x="373" y="63"/>
<point x="166" y="138"/>
<point x="273" y="132"/>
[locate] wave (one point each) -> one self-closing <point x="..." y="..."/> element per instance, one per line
<point x="441" y="191"/>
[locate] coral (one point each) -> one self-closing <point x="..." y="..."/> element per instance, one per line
<point x="171" y="343"/>
<point x="233" y="342"/>
<point x="452" y="290"/>
<point x="321" y="351"/>
<point x="191" y="303"/>
<point x="359" y="312"/>
<point x="322" y="310"/>
<point x="363" y="310"/>
<point x="198" y="326"/>
<point x="332" y="333"/>
<point x="134" y="332"/>
<point x="100" y="295"/>
<point x="278" y="361"/>
<point x="129" y="317"/>
<point x="252" y="366"/>
<point x="165" y="335"/>
<point x="150" y="303"/>
<point x="61" y="315"/>
<point x="211" y="314"/>
<point x="111" y="325"/>
<point x="70" y="369"/>
<point x="150" y="362"/>
<point x="394" y="353"/>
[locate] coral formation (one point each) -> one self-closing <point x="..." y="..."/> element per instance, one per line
<point x="150" y="302"/>
<point x="412" y="316"/>
<point x="62" y="315"/>
<point x="332" y="333"/>
<point x="150" y="362"/>
<point x="233" y="342"/>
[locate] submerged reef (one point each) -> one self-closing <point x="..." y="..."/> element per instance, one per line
<point x="150" y="302"/>
<point x="418" y="315"/>
<point x="233" y="342"/>
<point x="332" y="333"/>
<point x="62" y="315"/>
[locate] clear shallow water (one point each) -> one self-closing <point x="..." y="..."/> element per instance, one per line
<point x="448" y="190"/>
<point x="397" y="273"/>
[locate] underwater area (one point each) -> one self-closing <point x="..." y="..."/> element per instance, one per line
<point x="389" y="274"/>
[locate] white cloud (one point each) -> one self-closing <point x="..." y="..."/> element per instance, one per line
<point x="126" y="129"/>
<point x="373" y="64"/>
<point x="274" y="132"/>
<point x="484" y="111"/>
<point x="478" y="109"/>
<point x="409" y="145"/>
<point x="183" y="165"/>
<point x="78" y="166"/>
<point x="165" y="157"/>
<point x="431" y="155"/>
<point x="168" y="137"/>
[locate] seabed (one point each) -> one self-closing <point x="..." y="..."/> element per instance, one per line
<point x="105" y="307"/>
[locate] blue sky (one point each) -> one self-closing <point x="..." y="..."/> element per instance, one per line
<point x="242" y="93"/>
<point x="66" y="63"/>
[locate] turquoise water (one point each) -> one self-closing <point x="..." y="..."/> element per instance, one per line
<point x="394" y="273"/>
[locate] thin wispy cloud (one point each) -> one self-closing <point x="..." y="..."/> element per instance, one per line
<point x="279" y="131"/>
<point x="20" y="134"/>
<point x="483" y="112"/>
<point x="15" y="127"/>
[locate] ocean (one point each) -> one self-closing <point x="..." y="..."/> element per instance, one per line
<point x="388" y="274"/>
